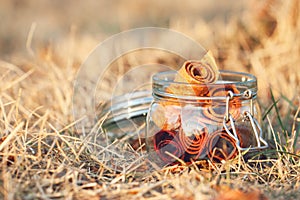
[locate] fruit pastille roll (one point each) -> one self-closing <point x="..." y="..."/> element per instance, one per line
<point x="198" y="73"/>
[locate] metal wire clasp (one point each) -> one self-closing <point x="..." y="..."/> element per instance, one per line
<point x="248" y="116"/>
<point x="228" y="98"/>
<point x="248" y="95"/>
<point x="261" y="143"/>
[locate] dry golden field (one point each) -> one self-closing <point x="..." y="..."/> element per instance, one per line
<point x="42" y="46"/>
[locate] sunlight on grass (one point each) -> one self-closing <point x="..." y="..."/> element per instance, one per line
<point x="43" y="155"/>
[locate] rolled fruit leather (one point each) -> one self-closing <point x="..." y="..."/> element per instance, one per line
<point x="201" y="75"/>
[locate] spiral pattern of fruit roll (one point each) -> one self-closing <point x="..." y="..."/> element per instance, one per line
<point x="168" y="141"/>
<point x="220" y="146"/>
<point x="204" y="71"/>
<point x="213" y="112"/>
<point x="193" y="144"/>
<point x="198" y="74"/>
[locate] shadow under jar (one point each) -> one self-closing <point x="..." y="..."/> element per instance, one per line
<point x="190" y="122"/>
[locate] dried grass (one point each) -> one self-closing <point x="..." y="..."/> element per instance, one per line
<point x="43" y="156"/>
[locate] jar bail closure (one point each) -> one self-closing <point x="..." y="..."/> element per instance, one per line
<point x="248" y="116"/>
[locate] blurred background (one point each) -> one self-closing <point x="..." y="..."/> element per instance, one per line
<point x="52" y="21"/>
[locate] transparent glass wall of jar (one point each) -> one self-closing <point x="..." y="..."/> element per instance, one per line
<point x="190" y="122"/>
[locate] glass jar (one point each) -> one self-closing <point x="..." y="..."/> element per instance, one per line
<point x="190" y="122"/>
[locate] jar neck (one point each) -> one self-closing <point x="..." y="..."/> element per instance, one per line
<point x="164" y="86"/>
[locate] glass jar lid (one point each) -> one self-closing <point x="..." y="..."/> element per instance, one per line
<point x="125" y="114"/>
